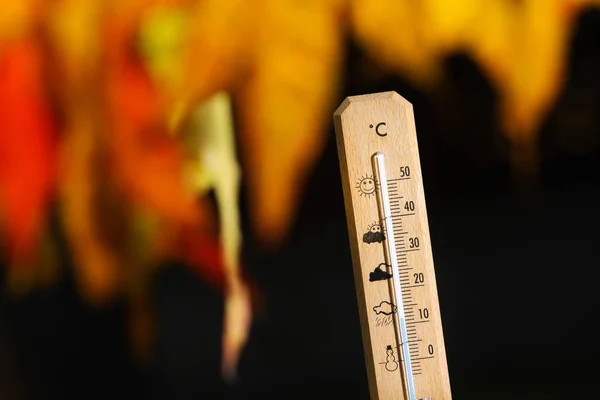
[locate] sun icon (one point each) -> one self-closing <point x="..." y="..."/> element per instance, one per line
<point x="374" y="233"/>
<point x="375" y="227"/>
<point x="366" y="186"/>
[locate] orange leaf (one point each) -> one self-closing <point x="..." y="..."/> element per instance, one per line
<point x="97" y="263"/>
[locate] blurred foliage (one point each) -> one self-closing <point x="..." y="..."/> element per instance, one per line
<point x="117" y="114"/>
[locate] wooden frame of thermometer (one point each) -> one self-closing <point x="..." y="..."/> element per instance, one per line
<point x="391" y="249"/>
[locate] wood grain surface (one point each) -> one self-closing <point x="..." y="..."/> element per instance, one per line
<point x="366" y="125"/>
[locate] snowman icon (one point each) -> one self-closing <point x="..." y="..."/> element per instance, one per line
<point x="390" y="361"/>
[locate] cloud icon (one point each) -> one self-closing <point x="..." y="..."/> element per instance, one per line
<point x="374" y="234"/>
<point x="372" y="237"/>
<point x="385" y="308"/>
<point x="379" y="274"/>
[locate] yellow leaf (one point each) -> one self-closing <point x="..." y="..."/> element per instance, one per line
<point x="162" y="36"/>
<point x="217" y="48"/>
<point x="286" y="104"/>
<point x="395" y="33"/>
<point x="284" y="78"/>
<point x="521" y="46"/>
<point x="216" y="167"/>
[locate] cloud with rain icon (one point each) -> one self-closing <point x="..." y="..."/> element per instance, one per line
<point x="385" y="308"/>
<point x="374" y="234"/>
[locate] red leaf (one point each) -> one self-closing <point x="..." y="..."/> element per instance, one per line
<point x="148" y="160"/>
<point x="27" y="148"/>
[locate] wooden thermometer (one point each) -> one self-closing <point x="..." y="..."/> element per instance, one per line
<point x="391" y="249"/>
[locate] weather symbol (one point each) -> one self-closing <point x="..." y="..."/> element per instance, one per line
<point x="390" y="360"/>
<point x="385" y="308"/>
<point x="366" y="186"/>
<point x="374" y="234"/>
<point x="380" y="274"/>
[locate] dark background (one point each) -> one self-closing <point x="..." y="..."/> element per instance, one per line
<point x="517" y="272"/>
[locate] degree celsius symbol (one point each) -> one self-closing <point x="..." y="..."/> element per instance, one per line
<point x="380" y="129"/>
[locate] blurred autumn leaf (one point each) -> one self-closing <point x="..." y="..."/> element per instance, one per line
<point x="122" y="111"/>
<point x="27" y="148"/>
<point x="520" y="45"/>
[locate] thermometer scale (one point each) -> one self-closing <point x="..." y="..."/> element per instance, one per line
<point x="391" y="250"/>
